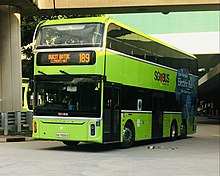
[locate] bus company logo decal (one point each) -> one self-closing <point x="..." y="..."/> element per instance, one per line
<point x="163" y="78"/>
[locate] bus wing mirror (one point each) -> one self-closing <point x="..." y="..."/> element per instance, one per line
<point x="71" y="88"/>
<point x="31" y="85"/>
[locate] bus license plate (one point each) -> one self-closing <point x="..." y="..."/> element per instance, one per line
<point x="62" y="135"/>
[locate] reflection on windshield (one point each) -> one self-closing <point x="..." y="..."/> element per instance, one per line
<point x="75" y="97"/>
<point x="70" y="35"/>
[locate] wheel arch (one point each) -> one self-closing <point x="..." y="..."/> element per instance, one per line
<point x="174" y="121"/>
<point x="128" y="123"/>
<point x="132" y="123"/>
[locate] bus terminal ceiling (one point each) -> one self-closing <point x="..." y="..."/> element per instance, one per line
<point x="55" y="7"/>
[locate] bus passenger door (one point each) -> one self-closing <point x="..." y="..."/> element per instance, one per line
<point x="112" y="114"/>
<point x="157" y="115"/>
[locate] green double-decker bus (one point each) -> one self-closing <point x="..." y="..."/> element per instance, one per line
<point x="97" y="80"/>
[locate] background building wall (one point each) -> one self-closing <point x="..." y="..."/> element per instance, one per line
<point x="194" y="32"/>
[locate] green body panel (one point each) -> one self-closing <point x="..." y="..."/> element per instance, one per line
<point x="161" y="85"/>
<point x="166" y="124"/>
<point x="77" y="130"/>
<point x="135" y="73"/>
<point x="142" y="123"/>
<point x="131" y="72"/>
<point x="167" y="120"/>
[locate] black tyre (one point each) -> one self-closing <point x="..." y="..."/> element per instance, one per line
<point x="183" y="129"/>
<point x="128" y="135"/>
<point x="71" y="143"/>
<point x="173" y="131"/>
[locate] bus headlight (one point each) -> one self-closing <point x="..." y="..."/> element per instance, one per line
<point x="92" y="129"/>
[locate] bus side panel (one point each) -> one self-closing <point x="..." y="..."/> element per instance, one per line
<point x="131" y="70"/>
<point x="162" y="78"/>
<point x="135" y="73"/>
<point x="142" y="124"/>
<point x="114" y="67"/>
<point x="166" y="124"/>
<point x="168" y="118"/>
<point x="144" y="77"/>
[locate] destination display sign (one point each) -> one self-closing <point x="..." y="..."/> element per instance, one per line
<point x="66" y="58"/>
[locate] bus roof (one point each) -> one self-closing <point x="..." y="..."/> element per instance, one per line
<point x="75" y="20"/>
<point x="108" y="20"/>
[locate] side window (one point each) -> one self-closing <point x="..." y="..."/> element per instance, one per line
<point x="146" y="48"/>
<point x="133" y="44"/>
<point x="193" y="67"/>
<point x="170" y="102"/>
<point x="114" y="37"/>
<point x="122" y="40"/>
<point x="146" y="96"/>
<point x="129" y="98"/>
<point x="130" y="43"/>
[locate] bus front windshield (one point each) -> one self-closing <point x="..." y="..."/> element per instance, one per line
<point x="70" y="35"/>
<point x="75" y="97"/>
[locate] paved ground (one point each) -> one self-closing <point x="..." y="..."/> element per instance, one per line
<point x="198" y="155"/>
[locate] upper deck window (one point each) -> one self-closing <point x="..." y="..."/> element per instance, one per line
<point x="71" y="35"/>
<point x="143" y="47"/>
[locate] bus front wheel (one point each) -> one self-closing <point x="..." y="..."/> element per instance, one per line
<point x="128" y="135"/>
<point x="71" y="143"/>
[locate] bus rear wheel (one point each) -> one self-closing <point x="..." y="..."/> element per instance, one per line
<point x="71" y="143"/>
<point x="183" y="129"/>
<point x="173" y="131"/>
<point x="128" y="135"/>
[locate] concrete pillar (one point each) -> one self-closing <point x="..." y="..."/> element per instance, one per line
<point x="10" y="59"/>
<point x="18" y="120"/>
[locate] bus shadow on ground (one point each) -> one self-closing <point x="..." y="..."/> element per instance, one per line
<point x="160" y="143"/>
<point x="94" y="147"/>
<point x="86" y="147"/>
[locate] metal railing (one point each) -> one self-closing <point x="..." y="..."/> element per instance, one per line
<point x="15" y="121"/>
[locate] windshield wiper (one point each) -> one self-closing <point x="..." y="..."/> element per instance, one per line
<point x="61" y="71"/>
<point x="42" y="73"/>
